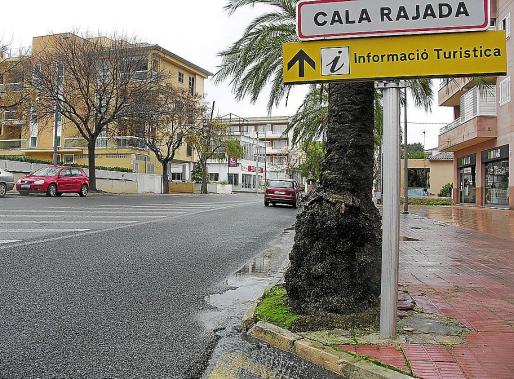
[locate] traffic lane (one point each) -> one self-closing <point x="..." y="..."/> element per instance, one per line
<point x="27" y="222"/>
<point x="124" y="303"/>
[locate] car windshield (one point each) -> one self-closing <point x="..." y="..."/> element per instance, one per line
<point x="280" y="184"/>
<point x="47" y="171"/>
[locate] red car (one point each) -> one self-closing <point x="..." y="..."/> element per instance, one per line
<point x="282" y="191"/>
<point x="54" y="181"/>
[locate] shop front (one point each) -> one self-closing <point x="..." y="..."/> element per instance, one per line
<point x="496" y="180"/>
<point x="466" y="167"/>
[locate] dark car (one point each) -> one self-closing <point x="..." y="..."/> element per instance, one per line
<point x="282" y="191"/>
<point x="6" y="182"/>
<point x="54" y="181"/>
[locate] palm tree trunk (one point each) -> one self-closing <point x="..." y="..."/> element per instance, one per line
<point x="336" y="259"/>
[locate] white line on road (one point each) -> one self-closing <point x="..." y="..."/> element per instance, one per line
<point x="43" y="230"/>
<point x="111" y="229"/>
<point x="87" y="216"/>
<point x="67" y="222"/>
<point x="89" y="210"/>
<point x="3" y="242"/>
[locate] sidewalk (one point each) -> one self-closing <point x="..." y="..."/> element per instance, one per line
<point x="458" y="263"/>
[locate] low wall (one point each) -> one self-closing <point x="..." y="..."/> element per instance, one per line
<point x="108" y="181"/>
<point x="182" y="188"/>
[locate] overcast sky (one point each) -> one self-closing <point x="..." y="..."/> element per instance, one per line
<point x="194" y="29"/>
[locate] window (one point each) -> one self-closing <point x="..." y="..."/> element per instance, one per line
<point x="74" y="171"/>
<point x="214" y="177"/>
<point x="180" y="77"/>
<point x="69" y="158"/>
<point x="192" y="85"/>
<point x="33" y="142"/>
<point x="10" y="115"/>
<point x="189" y="151"/>
<point x="66" y="172"/>
<point x="233" y="179"/>
<point x="505" y="25"/>
<point x="505" y="91"/>
<point x="176" y="176"/>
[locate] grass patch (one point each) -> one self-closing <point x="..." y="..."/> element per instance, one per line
<point x="273" y="308"/>
<point x="433" y="201"/>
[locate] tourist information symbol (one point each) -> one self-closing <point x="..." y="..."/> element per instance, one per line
<point x="330" y="19"/>
<point x="437" y="55"/>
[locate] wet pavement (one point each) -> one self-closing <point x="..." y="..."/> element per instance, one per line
<point x="496" y="222"/>
<point x="462" y="267"/>
<point x="237" y="355"/>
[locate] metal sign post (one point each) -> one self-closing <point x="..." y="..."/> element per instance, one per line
<point x="391" y="209"/>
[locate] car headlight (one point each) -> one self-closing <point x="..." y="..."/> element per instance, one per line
<point x="39" y="182"/>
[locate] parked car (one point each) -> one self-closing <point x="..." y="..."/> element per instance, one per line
<point x="6" y="182"/>
<point x="54" y="181"/>
<point x="282" y="191"/>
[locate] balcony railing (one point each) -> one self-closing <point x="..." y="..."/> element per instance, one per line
<point x="12" y="144"/>
<point x="476" y="102"/>
<point x="120" y="142"/>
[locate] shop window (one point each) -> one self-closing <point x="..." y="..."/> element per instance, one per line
<point x="214" y="177"/>
<point x="497" y="183"/>
<point x="233" y="179"/>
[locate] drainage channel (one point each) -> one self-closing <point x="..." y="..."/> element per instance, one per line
<point x="236" y="355"/>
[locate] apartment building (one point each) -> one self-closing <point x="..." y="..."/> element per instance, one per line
<point x="281" y="156"/>
<point x="482" y="135"/>
<point x="35" y="138"/>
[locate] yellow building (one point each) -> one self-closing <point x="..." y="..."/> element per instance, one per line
<point x="432" y="173"/>
<point x="35" y="140"/>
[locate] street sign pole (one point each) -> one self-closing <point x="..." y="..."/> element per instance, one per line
<point x="391" y="209"/>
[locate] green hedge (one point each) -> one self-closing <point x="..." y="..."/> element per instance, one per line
<point x="437" y="201"/>
<point x="21" y="158"/>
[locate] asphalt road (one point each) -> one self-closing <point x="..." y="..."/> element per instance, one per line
<point x="112" y="286"/>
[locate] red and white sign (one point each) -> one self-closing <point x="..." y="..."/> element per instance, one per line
<point x="336" y="19"/>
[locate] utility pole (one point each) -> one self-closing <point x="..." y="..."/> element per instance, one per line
<point x="405" y="160"/>
<point x="257" y="161"/>
<point x="391" y="210"/>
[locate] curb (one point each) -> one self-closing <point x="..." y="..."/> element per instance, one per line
<point x="339" y="362"/>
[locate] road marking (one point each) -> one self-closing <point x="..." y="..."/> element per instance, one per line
<point x="43" y="230"/>
<point x="111" y="229"/>
<point x="87" y="216"/>
<point x="3" y="242"/>
<point x="68" y="222"/>
<point x="15" y="213"/>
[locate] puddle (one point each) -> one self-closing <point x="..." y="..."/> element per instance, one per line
<point x="247" y="284"/>
<point x="408" y="239"/>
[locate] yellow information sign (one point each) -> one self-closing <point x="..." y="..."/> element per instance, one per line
<point x="437" y="55"/>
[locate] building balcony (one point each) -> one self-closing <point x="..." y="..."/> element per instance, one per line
<point x="477" y="123"/>
<point x="120" y="142"/>
<point x="452" y="89"/>
<point x="13" y="144"/>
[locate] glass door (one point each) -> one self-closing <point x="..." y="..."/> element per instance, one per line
<point x="467" y="185"/>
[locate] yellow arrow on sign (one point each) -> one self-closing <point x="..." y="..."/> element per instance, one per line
<point x="437" y="55"/>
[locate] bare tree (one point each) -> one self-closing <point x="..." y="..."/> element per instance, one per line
<point x="90" y="82"/>
<point x="165" y="117"/>
<point x="209" y="140"/>
<point x="15" y="73"/>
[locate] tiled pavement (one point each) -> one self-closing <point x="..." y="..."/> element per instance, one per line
<point x="459" y="263"/>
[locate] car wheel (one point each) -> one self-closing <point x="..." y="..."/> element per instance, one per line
<point x="3" y="189"/>
<point x="58" y="194"/>
<point x="294" y="205"/>
<point x="83" y="191"/>
<point x="266" y="203"/>
<point x="51" y="191"/>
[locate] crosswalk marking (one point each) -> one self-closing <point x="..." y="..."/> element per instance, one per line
<point x="20" y="227"/>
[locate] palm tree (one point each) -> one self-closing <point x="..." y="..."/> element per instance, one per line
<point x="336" y="259"/>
